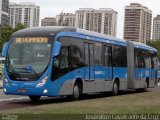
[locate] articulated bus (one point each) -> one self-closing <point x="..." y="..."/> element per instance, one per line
<point x="65" y="61"/>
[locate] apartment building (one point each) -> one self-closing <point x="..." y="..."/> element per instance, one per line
<point x="48" y="21"/>
<point x="156" y="28"/>
<point x="65" y="19"/>
<point x="103" y="20"/>
<point x="26" y="13"/>
<point x="137" y="23"/>
<point x="4" y="12"/>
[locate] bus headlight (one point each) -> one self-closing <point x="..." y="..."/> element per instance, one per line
<point x="44" y="80"/>
<point x="5" y="80"/>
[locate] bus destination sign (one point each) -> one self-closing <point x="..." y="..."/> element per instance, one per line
<point x="32" y="40"/>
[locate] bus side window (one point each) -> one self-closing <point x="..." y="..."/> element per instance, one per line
<point x="140" y="56"/>
<point x="119" y="56"/>
<point x="64" y="58"/>
<point x="154" y="60"/>
<point x="141" y="63"/>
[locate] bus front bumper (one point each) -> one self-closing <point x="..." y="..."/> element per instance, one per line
<point x="37" y="91"/>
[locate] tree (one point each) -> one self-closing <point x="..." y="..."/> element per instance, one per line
<point x="7" y="31"/>
<point x="155" y="44"/>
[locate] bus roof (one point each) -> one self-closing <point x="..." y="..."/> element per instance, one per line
<point x="144" y="46"/>
<point x="43" y="31"/>
<point x="53" y="30"/>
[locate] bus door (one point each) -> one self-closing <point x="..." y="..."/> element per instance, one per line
<point x="108" y="62"/>
<point x="140" y="68"/>
<point x="89" y="62"/>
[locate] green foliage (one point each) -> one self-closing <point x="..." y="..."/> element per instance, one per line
<point x="155" y="44"/>
<point x="7" y="31"/>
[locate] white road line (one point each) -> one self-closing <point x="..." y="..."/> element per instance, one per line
<point x="11" y="99"/>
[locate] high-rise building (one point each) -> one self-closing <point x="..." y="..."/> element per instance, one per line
<point x="4" y="12"/>
<point x="65" y="19"/>
<point x="137" y="24"/>
<point x="156" y="28"/>
<point x="103" y="20"/>
<point x="48" y="21"/>
<point x="26" y="13"/>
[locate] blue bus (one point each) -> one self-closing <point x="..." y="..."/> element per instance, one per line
<point x="65" y="61"/>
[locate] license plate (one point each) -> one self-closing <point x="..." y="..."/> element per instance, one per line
<point x="21" y="90"/>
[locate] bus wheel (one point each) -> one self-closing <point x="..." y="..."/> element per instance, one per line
<point x="76" y="92"/>
<point x="115" y="89"/>
<point x="34" y="98"/>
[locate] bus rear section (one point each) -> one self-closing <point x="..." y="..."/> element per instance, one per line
<point x="142" y="66"/>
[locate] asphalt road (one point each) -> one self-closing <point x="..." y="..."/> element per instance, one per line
<point x="4" y="97"/>
<point x="9" y="102"/>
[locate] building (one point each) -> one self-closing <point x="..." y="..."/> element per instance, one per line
<point x="4" y="12"/>
<point x="48" y="21"/>
<point x="103" y="20"/>
<point x="25" y="13"/>
<point x="65" y="19"/>
<point x="156" y="28"/>
<point x="137" y="23"/>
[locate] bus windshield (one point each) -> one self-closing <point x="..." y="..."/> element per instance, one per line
<point x="28" y="55"/>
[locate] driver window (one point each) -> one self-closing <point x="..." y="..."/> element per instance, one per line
<point x="60" y="64"/>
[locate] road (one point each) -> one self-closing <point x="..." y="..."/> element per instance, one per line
<point x="9" y="102"/>
<point x="4" y="97"/>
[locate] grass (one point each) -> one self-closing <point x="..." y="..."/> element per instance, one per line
<point x="134" y="103"/>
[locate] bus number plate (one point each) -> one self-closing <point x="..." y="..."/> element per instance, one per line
<point x="21" y="90"/>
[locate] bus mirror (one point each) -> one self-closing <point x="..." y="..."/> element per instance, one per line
<point x="56" y="48"/>
<point x="5" y="48"/>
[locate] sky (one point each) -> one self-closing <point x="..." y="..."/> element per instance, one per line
<point x="50" y="8"/>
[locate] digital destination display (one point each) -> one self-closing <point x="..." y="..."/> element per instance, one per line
<point x="32" y="40"/>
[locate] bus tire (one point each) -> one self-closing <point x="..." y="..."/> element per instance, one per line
<point x="0" y="76"/>
<point x="34" y="98"/>
<point x="115" y="88"/>
<point x="76" y="92"/>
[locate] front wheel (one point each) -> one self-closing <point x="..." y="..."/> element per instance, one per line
<point x="34" y="98"/>
<point x="76" y="92"/>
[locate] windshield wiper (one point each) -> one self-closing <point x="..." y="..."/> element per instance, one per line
<point x="14" y="73"/>
<point x="27" y="71"/>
